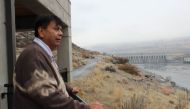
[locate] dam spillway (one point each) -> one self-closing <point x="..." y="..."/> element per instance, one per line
<point x="142" y="59"/>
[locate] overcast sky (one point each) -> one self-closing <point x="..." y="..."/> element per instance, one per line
<point x="96" y="22"/>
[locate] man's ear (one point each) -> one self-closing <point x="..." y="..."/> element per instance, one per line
<point x="41" y="32"/>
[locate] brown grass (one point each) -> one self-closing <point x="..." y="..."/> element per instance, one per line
<point x="107" y="59"/>
<point x="135" y="102"/>
<point x="102" y="87"/>
<point x="183" y="100"/>
<point x="128" y="68"/>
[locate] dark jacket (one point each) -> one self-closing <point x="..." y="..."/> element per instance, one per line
<point x="37" y="85"/>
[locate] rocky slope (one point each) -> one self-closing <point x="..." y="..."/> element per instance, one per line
<point x="122" y="86"/>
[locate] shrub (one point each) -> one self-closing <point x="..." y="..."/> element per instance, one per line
<point x="119" y="60"/>
<point x="129" y="69"/>
<point x="110" y="69"/>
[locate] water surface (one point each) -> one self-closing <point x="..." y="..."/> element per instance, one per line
<point x="177" y="72"/>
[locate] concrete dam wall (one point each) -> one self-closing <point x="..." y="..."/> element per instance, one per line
<point x="142" y="59"/>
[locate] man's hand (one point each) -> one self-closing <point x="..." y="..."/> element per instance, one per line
<point x="75" y="90"/>
<point x="96" y="105"/>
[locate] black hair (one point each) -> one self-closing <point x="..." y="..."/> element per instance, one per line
<point x="43" y="21"/>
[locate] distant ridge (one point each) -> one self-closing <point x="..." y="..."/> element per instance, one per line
<point x="177" y="45"/>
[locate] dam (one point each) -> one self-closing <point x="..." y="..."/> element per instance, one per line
<point x="142" y="59"/>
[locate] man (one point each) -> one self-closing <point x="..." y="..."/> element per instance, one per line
<point x="37" y="82"/>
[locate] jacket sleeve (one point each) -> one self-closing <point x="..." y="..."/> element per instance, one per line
<point x="41" y="86"/>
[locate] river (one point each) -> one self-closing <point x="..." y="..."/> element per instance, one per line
<point x="177" y="72"/>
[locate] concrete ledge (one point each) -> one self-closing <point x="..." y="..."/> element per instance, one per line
<point x="60" y="8"/>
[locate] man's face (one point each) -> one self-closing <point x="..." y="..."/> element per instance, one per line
<point x="51" y="35"/>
